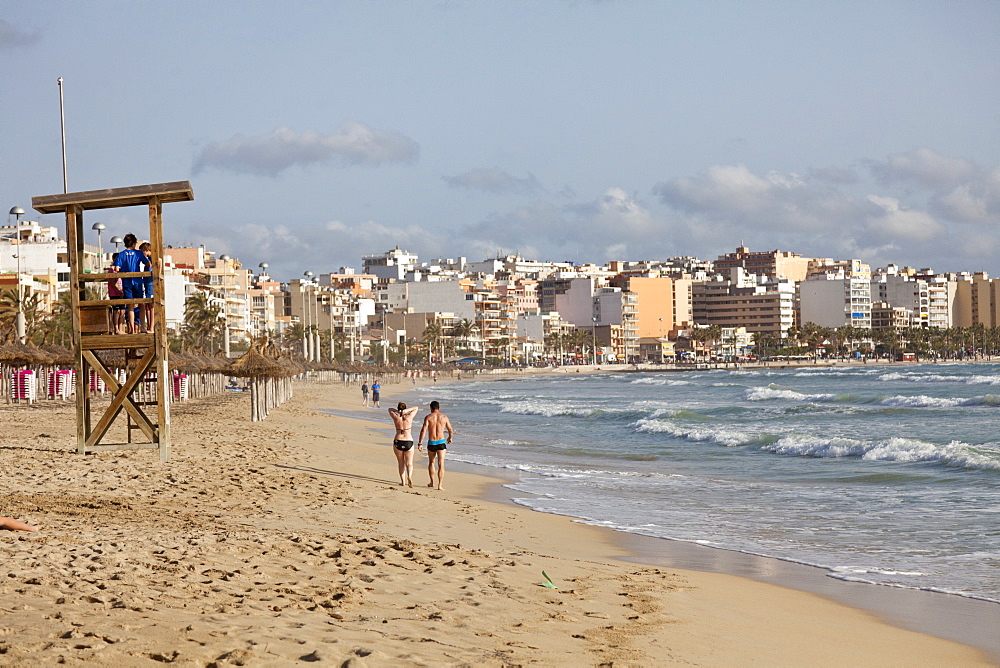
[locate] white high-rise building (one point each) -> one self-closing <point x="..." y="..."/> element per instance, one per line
<point x="838" y="297"/>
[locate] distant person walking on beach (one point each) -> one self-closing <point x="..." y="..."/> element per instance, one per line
<point x="376" y="388"/>
<point x="402" y="443"/>
<point x="364" y="394"/>
<point x="435" y="425"/>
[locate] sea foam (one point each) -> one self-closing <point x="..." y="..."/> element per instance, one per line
<point x="940" y="378"/>
<point x="769" y="393"/>
<point x="923" y="401"/>
<point x="723" y="436"/>
<point x="895" y="449"/>
<point x="659" y="381"/>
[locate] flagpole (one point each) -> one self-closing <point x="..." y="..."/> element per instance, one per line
<point x="62" y="124"/>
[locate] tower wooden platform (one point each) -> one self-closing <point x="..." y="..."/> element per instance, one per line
<point x="144" y="353"/>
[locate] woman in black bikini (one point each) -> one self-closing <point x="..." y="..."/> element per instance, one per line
<point x="402" y="444"/>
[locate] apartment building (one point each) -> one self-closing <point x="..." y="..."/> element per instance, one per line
<point x="453" y="297"/>
<point x="394" y="264"/>
<point x="571" y="297"/>
<point x="663" y="304"/>
<point x="513" y="266"/>
<point x="615" y="314"/>
<point x="742" y="299"/>
<point x="774" y="264"/>
<point x="977" y="301"/>
<point x="497" y="322"/>
<point x="885" y="315"/>
<point x="941" y="294"/>
<point x="33" y="257"/>
<point x="901" y="290"/>
<point x="230" y="284"/>
<point x="838" y="297"/>
<point x="522" y="294"/>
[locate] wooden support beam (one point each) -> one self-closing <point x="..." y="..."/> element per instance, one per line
<point x="123" y="446"/>
<point x="164" y="381"/>
<point x="117" y="341"/>
<point x="92" y="277"/>
<point x="122" y="398"/>
<point x="115" y="302"/>
<point x="74" y="247"/>
<point x="110" y="198"/>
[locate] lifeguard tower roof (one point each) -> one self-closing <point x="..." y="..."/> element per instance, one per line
<point x="110" y="198"/>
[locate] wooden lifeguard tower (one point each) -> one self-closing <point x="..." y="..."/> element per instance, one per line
<point x="144" y="353"/>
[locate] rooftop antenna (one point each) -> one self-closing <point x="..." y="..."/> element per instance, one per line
<point x="62" y="125"/>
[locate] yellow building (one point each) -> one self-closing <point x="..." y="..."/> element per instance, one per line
<point x="977" y="301"/>
<point x="662" y="304"/>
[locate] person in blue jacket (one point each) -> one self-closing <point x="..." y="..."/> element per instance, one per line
<point x="130" y="260"/>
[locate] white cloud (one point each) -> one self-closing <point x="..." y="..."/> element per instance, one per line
<point x="613" y="226"/>
<point x="922" y="167"/>
<point x="977" y="201"/>
<point x="372" y="237"/>
<point x="893" y="222"/>
<point x="813" y="216"/>
<point x="268" y="155"/>
<point x="731" y="195"/>
<point x="495" y="181"/>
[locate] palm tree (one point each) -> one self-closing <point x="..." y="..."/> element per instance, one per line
<point x="554" y="342"/>
<point x="706" y="335"/>
<point x="10" y="305"/>
<point x="432" y="335"/>
<point x="463" y="330"/>
<point x="764" y="340"/>
<point x="59" y="324"/>
<point x="202" y="321"/>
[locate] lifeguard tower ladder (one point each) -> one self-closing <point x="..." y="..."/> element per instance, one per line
<point x="143" y="352"/>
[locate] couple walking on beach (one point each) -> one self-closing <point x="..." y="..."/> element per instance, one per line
<point x="376" y="388"/>
<point x="434" y="427"/>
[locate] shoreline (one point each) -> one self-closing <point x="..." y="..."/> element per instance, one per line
<point x="953" y="617"/>
<point x="288" y="539"/>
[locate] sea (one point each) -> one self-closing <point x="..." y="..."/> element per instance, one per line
<point x="887" y="474"/>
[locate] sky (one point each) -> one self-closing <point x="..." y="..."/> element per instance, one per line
<point x="314" y="133"/>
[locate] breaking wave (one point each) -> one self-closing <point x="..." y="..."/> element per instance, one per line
<point x="895" y="449"/>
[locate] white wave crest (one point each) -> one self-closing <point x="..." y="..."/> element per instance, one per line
<point x="895" y="449"/>
<point x="940" y="378"/>
<point x="711" y="434"/>
<point x="924" y="401"/>
<point x="659" y="381"/>
<point x="983" y="380"/>
<point x="547" y="409"/>
<point x="768" y="393"/>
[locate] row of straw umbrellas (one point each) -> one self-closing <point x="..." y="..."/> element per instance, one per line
<point x="255" y="363"/>
<point x="268" y="372"/>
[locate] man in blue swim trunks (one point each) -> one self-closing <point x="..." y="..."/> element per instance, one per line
<point x="435" y="425"/>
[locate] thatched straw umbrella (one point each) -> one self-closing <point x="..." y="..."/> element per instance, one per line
<point x="17" y="356"/>
<point x="260" y="370"/>
<point x="61" y="355"/>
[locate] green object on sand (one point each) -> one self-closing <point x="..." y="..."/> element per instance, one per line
<point x="548" y="582"/>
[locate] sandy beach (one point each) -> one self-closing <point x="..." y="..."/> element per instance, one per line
<point x="290" y="540"/>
